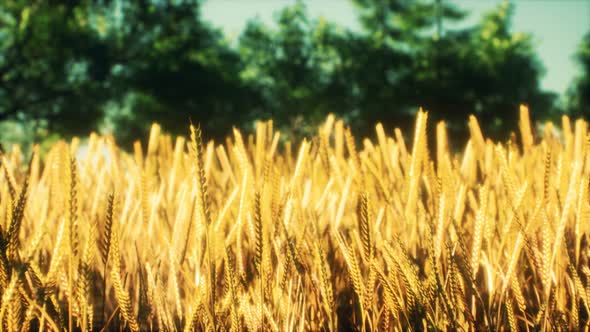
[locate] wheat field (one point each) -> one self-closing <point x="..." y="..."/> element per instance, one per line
<point x="254" y="234"/>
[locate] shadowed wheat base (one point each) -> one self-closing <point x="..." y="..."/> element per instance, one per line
<point x="323" y="236"/>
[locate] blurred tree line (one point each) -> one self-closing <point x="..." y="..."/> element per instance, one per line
<point x="69" y="67"/>
<point x="578" y="94"/>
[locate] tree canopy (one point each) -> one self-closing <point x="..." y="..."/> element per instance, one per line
<point x="484" y="69"/>
<point x="579" y="92"/>
<point x="71" y="67"/>
<point x="52" y="64"/>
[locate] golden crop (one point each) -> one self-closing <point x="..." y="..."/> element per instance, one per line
<point x="255" y="235"/>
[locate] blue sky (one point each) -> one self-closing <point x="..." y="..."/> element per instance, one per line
<point x="557" y="25"/>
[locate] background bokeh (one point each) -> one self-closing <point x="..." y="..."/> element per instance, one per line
<point x="71" y="67"/>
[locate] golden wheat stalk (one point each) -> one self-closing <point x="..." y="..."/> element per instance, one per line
<point x="262" y="233"/>
<point x="120" y="293"/>
<point x="480" y="221"/>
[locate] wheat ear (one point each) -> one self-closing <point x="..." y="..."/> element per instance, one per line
<point x="365" y="230"/>
<point x="120" y="292"/>
<point x="480" y="221"/>
<point x="18" y="213"/>
<point x="73" y="237"/>
<point x="197" y="141"/>
<point x="525" y="128"/>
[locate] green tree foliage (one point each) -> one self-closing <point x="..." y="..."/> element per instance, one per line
<point x="64" y="65"/>
<point x="579" y="93"/>
<point x="294" y="67"/>
<point x="51" y="68"/>
<point x="485" y="70"/>
<point x="396" y="67"/>
<point x="174" y="66"/>
<point x="498" y="70"/>
<point x="70" y="66"/>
